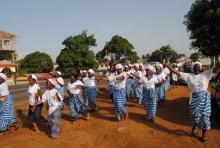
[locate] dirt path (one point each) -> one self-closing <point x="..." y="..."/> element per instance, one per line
<point x="171" y="128"/>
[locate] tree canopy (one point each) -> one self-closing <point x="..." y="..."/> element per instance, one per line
<point x="118" y="46"/>
<point x="164" y="53"/>
<point x="36" y="62"/>
<point x="76" y="54"/>
<point x="203" y="21"/>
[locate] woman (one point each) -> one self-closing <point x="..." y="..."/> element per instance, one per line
<point x="76" y="104"/>
<point x="53" y="99"/>
<point x="110" y="74"/>
<point x="119" y="93"/>
<point x="60" y="84"/>
<point x="199" y="104"/>
<point x="90" y="90"/>
<point x="35" y="103"/>
<point x="7" y="118"/>
<point x="160" y="86"/>
<point x="149" y="94"/>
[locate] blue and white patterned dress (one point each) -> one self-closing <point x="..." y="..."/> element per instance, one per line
<point x="199" y="104"/>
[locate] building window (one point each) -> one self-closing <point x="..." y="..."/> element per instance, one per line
<point x="6" y="42"/>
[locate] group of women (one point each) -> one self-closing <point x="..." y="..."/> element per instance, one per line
<point x="147" y="83"/>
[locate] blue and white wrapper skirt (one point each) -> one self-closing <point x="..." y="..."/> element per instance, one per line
<point x="129" y="88"/>
<point x="90" y="94"/>
<point x="119" y="99"/>
<point x="76" y="105"/>
<point x="7" y="116"/>
<point x="160" y="93"/>
<point x="200" y="109"/>
<point x="167" y="83"/>
<point x="62" y="93"/>
<point x="138" y="92"/>
<point x="110" y="90"/>
<point x="54" y="122"/>
<point x="150" y="102"/>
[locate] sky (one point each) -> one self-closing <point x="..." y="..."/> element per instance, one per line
<point x="148" y="24"/>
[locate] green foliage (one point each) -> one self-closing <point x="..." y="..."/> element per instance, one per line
<point x="164" y="53"/>
<point x="36" y="62"/>
<point x="203" y="21"/>
<point x="196" y="56"/>
<point x="76" y="54"/>
<point x="119" y="46"/>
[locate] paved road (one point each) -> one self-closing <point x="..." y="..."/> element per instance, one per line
<point x="19" y="92"/>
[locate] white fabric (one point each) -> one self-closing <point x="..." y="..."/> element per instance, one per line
<point x="59" y="73"/>
<point x="198" y="82"/>
<point x="89" y="81"/>
<point x="91" y="71"/>
<point x="33" y="76"/>
<point x="3" y="76"/>
<point x="4" y="89"/>
<point x="50" y="97"/>
<point x="120" y="83"/>
<point x="118" y="66"/>
<point x="52" y="81"/>
<point x="60" y="80"/>
<point x="174" y="76"/>
<point x="110" y="76"/>
<point x="161" y="76"/>
<point x="166" y="71"/>
<point x="32" y="91"/>
<point x="138" y="73"/>
<point x="150" y="67"/>
<point x="73" y="87"/>
<point x="149" y="83"/>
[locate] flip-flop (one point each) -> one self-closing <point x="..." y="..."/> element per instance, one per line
<point x="204" y="139"/>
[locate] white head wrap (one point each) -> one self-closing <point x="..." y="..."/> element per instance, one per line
<point x="59" y="73"/>
<point x="150" y="67"/>
<point x="118" y="66"/>
<point x="91" y="71"/>
<point x="51" y="81"/>
<point x="196" y="63"/>
<point x="33" y="76"/>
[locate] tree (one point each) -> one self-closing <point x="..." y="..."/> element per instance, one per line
<point x="36" y="62"/>
<point x="195" y="56"/>
<point x="146" y="57"/>
<point x="164" y="53"/>
<point x="203" y="21"/>
<point x="76" y="54"/>
<point x="118" y="46"/>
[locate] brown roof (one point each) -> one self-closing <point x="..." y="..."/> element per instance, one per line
<point x="6" y="35"/>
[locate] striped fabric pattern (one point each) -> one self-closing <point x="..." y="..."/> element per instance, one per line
<point x="61" y="91"/>
<point x="150" y="102"/>
<point x="90" y="95"/>
<point x="76" y="105"/>
<point x="139" y="93"/>
<point x="160" y="93"/>
<point x="110" y="90"/>
<point x="54" y="122"/>
<point x="6" y="113"/>
<point x="119" y="99"/>
<point x="200" y="109"/>
<point x="129" y="85"/>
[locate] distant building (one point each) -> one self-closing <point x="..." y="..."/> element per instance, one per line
<point x="7" y="51"/>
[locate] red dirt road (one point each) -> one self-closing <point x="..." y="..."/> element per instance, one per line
<point x="171" y="128"/>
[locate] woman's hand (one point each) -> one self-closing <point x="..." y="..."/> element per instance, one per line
<point x="2" y="99"/>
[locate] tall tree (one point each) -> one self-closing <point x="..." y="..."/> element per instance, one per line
<point x="164" y="53"/>
<point x="195" y="56"/>
<point x="76" y="54"/>
<point x="203" y="21"/>
<point x="119" y="47"/>
<point x="36" y="62"/>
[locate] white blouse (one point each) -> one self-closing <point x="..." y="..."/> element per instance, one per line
<point x="120" y="83"/>
<point x="110" y="76"/>
<point x="89" y="81"/>
<point x="32" y="90"/>
<point x="4" y="89"/>
<point x="149" y="83"/>
<point x="60" y="80"/>
<point x="73" y="87"/>
<point x="50" y="97"/>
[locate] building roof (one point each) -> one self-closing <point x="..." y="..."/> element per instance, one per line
<point x="6" y="35"/>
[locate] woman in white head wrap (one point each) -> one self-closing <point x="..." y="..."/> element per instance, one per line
<point x="90" y="92"/>
<point x="35" y="102"/>
<point x="160" y="90"/>
<point x="59" y="85"/>
<point x="149" y="95"/>
<point x="7" y="117"/>
<point x="200" y="105"/>
<point x="119" y="93"/>
<point x="53" y="99"/>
